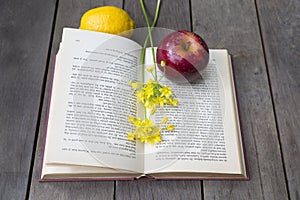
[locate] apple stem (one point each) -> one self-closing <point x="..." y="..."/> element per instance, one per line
<point x="187" y="45"/>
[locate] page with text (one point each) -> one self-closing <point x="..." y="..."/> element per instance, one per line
<point x="91" y="101"/>
<point x="206" y="132"/>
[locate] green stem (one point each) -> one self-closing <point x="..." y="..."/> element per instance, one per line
<point x="154" y="22"/>
<point x="151" y="42"/>
<point x="143" y="65"/>
<point x="146" y="40"/>
<point x="163" y="74"/>
<point x="150" y="30"/>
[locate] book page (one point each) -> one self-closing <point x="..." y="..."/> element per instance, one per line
<point x="91" y="101"/>
<point x="206" y="136"/>
<point x="61" y="171"/>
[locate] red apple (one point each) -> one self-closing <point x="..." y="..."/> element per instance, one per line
<point x="185" y="54"/>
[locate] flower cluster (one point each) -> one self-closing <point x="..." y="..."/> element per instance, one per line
<point x="151" y="94"/>
<point x="146" y="131"/>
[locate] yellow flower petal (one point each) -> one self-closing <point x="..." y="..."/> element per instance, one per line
<point x="170" y="127"/>
<point x="165" y="91"/>
<point x="150" y="68"/>
<point x="162" y="63"/>
<point x="131" y="119"/>
<point x="147" y="122"/>
<point x="174" y="102"/>
<point x="136" y="85"/>
<point x="164" y="120"/>
<point x="130" y="82"/>
<point x="148" y="91"/>
<point x="153" y="110"/>
<point x="141" y="96"/>
<point x="130" y="136"/>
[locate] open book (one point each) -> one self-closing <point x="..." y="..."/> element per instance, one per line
<point x="88" y="117"/>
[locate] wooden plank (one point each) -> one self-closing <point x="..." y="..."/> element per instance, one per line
<point x="25" y="28"/>
<point x="179" y="19"/>
<point x="158" y="190"/>
<point x="280" y="26"/>
<point x="68" y="15"/>
<point x="233" y="24"/>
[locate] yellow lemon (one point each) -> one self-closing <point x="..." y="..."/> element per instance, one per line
<point x="107" y="19"/>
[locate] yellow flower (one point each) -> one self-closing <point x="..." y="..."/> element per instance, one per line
<point x="151" y="94"/>
<point x="153" y="110"/>
<point x="174" y="102"/>
<point x="145" y="131"/>
<point x="147" y="122"/>
<point x="130" y="136"/>
<point x="139" y="128"/>
<point x="154" y="135"/>
<point x="159" y="101"/>
<point x="165" y="91"/>
<point x="141" y="95"/>
<point x="149" y="104"/>
<point x="148" y="91"/>
<point x="151" y="82"/>
<point x="170" y="127"/>
<point x="136" y="85"/>
<point x="131" y="119"/>
<point x="164" y="120"/>
<point x="154" y="138"/>
<point x="130" y="82"/>
<point x="150" y="68"/>
<point x="162" y="63"/>
<point x="137" y="122"/>
<point x="138" y="132"/>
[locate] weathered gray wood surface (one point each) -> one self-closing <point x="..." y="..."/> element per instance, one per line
<point x="263" y="38"/>
<point x="69" y="13"/>
<point x="280" y="26"/>
<point x="25" y="28"/>
<point x="233" y="25"/>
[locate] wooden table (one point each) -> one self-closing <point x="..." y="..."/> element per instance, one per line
<point x="264" y="40"/>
